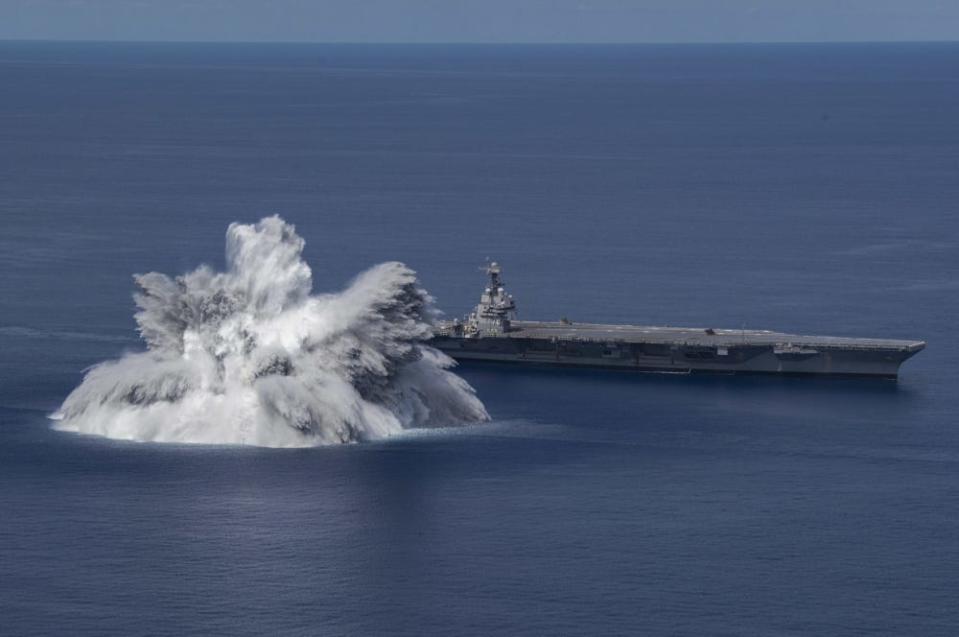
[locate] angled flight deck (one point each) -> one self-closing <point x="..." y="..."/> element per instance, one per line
<point x="491" y="333"/>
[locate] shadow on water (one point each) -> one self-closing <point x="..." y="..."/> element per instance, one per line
<point x="630" y="402"/>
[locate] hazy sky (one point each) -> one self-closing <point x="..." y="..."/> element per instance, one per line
<point x="482" y="20"/>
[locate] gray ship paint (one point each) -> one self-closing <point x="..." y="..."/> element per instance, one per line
<point x="492" y="333"/>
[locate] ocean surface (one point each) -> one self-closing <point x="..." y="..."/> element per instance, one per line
<point x="808" y="188"/>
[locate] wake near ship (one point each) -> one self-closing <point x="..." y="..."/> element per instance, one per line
<point x="492" y="333"/>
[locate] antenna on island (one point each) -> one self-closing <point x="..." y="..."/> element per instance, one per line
<point x="496" y="307"/>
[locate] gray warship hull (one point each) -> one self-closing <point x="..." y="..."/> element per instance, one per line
<point x="492" y="333"/>
<point x="681" y="350"/>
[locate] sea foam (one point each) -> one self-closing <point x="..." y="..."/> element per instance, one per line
<point x="251" y="356"/>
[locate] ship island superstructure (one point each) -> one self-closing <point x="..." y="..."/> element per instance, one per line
<point x="491" y="332"/>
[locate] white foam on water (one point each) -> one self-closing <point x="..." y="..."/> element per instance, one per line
<point x="250" y="356"/>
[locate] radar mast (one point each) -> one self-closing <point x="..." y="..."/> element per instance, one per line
<point x="496" y="308"/>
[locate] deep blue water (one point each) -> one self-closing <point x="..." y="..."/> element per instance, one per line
<point x="801" y="188"/>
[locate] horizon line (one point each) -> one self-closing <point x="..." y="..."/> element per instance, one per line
<point x="474" y="42"/>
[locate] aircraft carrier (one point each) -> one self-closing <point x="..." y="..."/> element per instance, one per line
<point x="492" y="333"/>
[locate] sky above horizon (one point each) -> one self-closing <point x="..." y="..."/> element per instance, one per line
<point x="481" y="20"/>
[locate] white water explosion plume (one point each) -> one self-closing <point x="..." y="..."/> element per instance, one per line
<point x="250" y="356"/>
